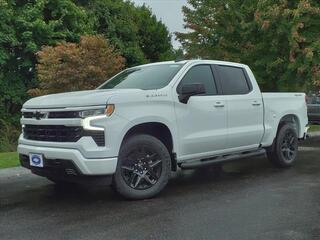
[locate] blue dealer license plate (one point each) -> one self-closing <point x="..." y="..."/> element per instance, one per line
<point x="36" y="160"/>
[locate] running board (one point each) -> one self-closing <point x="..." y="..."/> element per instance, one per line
<point x="221" y="159"/>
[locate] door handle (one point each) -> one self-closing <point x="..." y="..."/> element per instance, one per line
<point x="256" y="103"/>
<point x="218" y="104"/>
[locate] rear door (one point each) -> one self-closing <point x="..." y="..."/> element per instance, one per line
<point x="245" y="108"/>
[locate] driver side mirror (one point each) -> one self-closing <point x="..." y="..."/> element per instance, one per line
<point x="188" y="90"/>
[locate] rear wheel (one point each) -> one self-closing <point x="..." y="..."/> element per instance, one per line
<point x="284" y="149"/>
<point x="144" y="167"/>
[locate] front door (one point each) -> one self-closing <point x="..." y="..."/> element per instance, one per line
<point x="202" y="121"/>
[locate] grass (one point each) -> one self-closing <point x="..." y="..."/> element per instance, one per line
<point x="9" y="159"/>
<point x="314" y="128"/>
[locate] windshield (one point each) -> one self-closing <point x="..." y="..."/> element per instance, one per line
<point x="145" y="77"/>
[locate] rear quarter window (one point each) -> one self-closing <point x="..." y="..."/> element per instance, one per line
<point x="233" y="80"/>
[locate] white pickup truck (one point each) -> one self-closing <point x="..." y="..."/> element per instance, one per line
<point x="148" y="120"/>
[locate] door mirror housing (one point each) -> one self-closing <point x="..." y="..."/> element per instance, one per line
<point x="189" y="90"/>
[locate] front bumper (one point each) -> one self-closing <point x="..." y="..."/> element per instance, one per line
<point x="65" y="171"/>
<point x="85" y="166"/>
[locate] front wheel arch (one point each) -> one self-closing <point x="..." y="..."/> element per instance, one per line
<point x="158" y="130"/>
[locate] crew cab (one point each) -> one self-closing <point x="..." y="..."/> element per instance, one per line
<point x="149" y="120"/>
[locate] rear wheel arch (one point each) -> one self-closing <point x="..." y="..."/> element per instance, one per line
<point x="283" y="152"/>
<point x="290" y="119"/>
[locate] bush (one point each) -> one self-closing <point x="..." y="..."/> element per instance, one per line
<point x="9" y="135"/>
<point x="73" y="67"/>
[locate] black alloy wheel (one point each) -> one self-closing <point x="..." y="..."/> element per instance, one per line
<point x="289" y="146"/>
<point x="144" y="167"/>
<point x="284" y="150"/>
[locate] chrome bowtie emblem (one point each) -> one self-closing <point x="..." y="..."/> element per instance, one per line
<point x="38" y="115"/>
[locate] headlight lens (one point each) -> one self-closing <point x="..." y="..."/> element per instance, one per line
<point x="92" y="112"/>
<point x="108" y="111"/>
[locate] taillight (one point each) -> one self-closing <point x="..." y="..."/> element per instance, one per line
<point x="306" y="99"/>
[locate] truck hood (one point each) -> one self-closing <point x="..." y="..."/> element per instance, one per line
<point x="76" y="99"/>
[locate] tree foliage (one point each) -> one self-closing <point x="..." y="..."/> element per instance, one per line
<point x="24" y="27"/>
<point x="28" y="25"/>
<point x="134" y="30"/>
<point x="278" y="39"/>
<point x="73" y="67"/>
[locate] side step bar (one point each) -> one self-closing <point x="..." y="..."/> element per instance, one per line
<point x="220" y="159"/>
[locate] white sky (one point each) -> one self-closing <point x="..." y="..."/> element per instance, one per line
<point x="169" y="11"/>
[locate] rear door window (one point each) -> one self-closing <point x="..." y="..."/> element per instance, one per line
<point x="233" y="80"/>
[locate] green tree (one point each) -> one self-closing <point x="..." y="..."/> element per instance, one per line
<point x="25" y="26"/>
<point x="278" y="39"/>
<point x="134" y="30"/>
<point x="154" y="38"/>
<point x="8" y="41"/>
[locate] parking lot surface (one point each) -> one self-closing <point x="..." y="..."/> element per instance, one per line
<point x="250" y="199"/>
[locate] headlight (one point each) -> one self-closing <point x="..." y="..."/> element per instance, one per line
<point x="108" y="111"/>
<point x="95" y="114"/>
<point x="91" y="112"/>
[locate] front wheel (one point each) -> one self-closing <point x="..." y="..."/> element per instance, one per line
<point x="284" y="150"/>
<point x="144" y="167"/>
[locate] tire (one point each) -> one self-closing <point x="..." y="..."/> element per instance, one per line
<point x="284" y="150"/>
<point x="143" y="169"/>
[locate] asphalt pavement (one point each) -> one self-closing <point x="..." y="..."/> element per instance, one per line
<point x="250" y="199"/>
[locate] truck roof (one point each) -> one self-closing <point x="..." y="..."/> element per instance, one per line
<point x="196" y="61"/>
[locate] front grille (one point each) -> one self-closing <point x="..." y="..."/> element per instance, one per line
<point x="61" y="114"/>
<point x="37" y="115"/>
<point x="52" y="133"/>
<point x="68" y="114"/>
<point x="60" y="133"/>
<point x="28" y="114"/>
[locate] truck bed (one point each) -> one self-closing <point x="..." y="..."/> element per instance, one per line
<point x="281" y="104"/>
